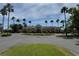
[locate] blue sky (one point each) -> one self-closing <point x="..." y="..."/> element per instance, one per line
<point x="38" y="12"/>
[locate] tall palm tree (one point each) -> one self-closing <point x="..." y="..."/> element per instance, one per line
<point x="24" y="22"/>
<point x="62" y="21"/>
<point x="18" y="21"/>
<point x="64" y="10"/>
<point x="9" y="9"/>
<point x="30" y="22"/>
<point x="46" y="22"/>
<point x="13" y="19"/>
<point x="51" y="21"/>
<point x="57" y="22"/>
<point x="3" y="13"/>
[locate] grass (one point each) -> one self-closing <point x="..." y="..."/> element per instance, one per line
<point x="36" y="50"/>
<point x="39" y="34"/>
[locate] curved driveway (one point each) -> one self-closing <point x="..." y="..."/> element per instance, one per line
<point x="6" y="42"/>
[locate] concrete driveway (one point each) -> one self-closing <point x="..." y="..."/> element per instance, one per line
<point x="7" y="42"/>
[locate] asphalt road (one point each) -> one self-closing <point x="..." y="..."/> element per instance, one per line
<point x="7" y="42"/>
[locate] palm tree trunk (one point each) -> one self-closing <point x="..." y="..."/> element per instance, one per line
<point x="13" y="21"/>
<point x="46" y="24"/>
<point x="65" y="24"/>
<point x="58" y="24"/>
<point x="73" y="27"/>
<point x="2" y="24"/>
<point x="52" y="24"/>
<point x="8" y="19"/>
<point x="52" y="27"/>
<point x="58" y="27"/>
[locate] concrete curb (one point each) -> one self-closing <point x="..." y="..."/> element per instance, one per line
<point x="75" y="54"/>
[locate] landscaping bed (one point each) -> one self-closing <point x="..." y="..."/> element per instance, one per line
<point x="5" y="34"/>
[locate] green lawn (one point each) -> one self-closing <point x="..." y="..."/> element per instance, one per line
<point x="36" y="50"/>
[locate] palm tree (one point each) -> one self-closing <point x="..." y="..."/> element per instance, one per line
<point x="78" y="6"/>
<point x="64" y="10"/>
<point x="30" y="22"/>
<point x="13" y="19"/>
<point x="46" y="22"/>
<point x="62" y="21"/>
<point x="18" y="21"/>
<point x="3" y="13"/>
<point x="0" y="27"/>
<point x="9" y="9"/>
<point x="57" y="22"/>
<point x="51" y="22"/>
<point x="24" y="22"/>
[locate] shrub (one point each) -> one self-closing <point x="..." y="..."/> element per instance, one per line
<point x="5" y="34"/>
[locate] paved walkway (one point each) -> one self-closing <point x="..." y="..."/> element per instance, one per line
<point x="6" y="42"/>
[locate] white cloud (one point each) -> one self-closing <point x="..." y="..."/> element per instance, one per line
<point x="36" y="11"/>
